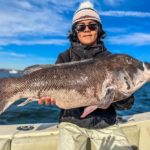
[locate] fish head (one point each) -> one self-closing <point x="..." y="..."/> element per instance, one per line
<point x="130" y="73"/>
<point x="140" y="70"/>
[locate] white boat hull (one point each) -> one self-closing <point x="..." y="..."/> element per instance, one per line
<point x="44" y="136"/>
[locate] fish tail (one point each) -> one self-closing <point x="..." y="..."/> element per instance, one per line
<point x="7" y="86"/>
<point x="3" y="94"/>
<point x="2" y="87"/>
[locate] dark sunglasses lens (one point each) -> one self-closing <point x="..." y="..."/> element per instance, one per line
<point x="93" y="26"/>
<point x="80" y="27"/>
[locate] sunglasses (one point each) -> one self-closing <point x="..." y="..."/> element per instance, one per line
<point x="82" y="27"/>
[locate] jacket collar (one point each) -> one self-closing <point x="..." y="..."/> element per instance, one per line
<point x="84" y="51"/>
<point x="99" y="46"/>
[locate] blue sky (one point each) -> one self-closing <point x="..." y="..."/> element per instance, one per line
<point x="35" y="31"/>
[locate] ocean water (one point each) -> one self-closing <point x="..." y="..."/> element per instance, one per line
<point x="34" y="113"/>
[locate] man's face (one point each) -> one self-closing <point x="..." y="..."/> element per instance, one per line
<point x="87" y="36"/>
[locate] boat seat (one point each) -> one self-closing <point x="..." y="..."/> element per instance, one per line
<point x="48" y="142"/>
<point x="5" y="144"/>
<point x="138" y="134"/>
<point x="45" y="136"/>
<point x="132" y="134"/>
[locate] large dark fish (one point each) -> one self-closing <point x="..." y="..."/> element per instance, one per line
<point x="95" y="83"/>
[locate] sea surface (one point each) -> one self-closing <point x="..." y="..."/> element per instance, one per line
<point x="34" y="113"/>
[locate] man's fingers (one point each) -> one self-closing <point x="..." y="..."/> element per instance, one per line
<point x="53" y="102"/>
<point x="47" y="100"/>
<point x="41" y="101"/>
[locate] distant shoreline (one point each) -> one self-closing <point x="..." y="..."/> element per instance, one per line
<point x="9" y="70"/>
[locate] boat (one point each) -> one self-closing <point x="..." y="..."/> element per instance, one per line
<point x="13" y="71"/>
<point x="44" y="136"/>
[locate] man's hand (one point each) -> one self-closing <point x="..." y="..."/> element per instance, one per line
<point x="47" y="100"/>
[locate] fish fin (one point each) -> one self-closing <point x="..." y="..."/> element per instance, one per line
<point x="103" y="103"/>
<point x="108" y="98"/>
<point x="29" y="100"/>
<point x="5" y="104"/>
<point x="88" y="110"/>
<point x="30" y="69"/>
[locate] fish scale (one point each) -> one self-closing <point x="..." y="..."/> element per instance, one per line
<point x="94" y="83"/>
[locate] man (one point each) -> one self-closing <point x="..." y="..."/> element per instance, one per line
<point x="99" y="127"/>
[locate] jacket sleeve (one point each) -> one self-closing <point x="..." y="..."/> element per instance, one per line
<point x="124" y="104"/>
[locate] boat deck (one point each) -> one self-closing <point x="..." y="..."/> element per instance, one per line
<point x="44" y="136"/>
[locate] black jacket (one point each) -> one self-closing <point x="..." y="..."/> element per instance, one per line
<point x="100" y="118"/>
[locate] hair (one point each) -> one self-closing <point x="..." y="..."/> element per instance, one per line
<point x="73" y="34"/>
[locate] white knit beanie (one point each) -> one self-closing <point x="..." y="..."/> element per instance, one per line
<point x="86" y="11"/>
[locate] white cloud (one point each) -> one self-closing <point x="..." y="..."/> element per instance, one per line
<point x="12" y="54"/>
<point x="113" y="2"/>
<point x="136" y="39"/>
<point x="35" y="18"/>
<point x="29" y="60"/>
<point x="7" y="41"/>
<point x="125" y="14"/>
<point x="116" y="30"/>
<point x="32" y="18"/>
<point x="15" y="60"/>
